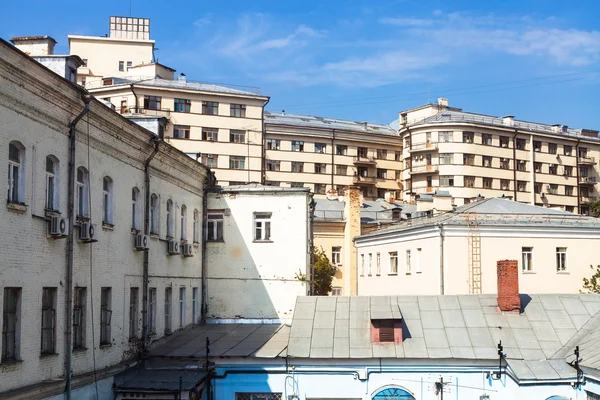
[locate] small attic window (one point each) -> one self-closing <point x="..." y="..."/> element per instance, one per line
<point x="386" y="330"/>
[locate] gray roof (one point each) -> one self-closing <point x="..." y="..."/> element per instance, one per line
<point x="310" y="121"/>
<point x="371" y="211"/>
<point x="450" y="327"/>
<point x="158" y="380"/>
<point x="256" y="187"/>
<point x="496" y="211"/>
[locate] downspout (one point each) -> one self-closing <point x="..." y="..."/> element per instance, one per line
<point x="263" y="155"/>
<point x="441" y="259"/>
<point x="145" y="273"/>
<point x="70" y="243"/>
<point x="208" y="182"/>
<point x="577" y="174"/>
<point x="515" y="165"/>
<point x="135" y="97"/>
<point x="311" y="230"/>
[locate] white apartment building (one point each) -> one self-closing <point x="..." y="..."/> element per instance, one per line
<point x="470" y="154"/>
<point x="456" y="252"/>
<point x="87" y="221"/>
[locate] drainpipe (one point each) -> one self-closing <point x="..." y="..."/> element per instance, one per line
<point x="263" y="156"/>
<point x="208" y="182"/>
<point x="135" y="97"/>
<point x="441" y="259"/>
<point x="70" y="243"/>
<point x="311" y="228"/>
<point x="515" y="165"/>
<point x="145" y="333"/>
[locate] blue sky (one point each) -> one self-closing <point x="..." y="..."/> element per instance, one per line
<point x="365" y="61"/>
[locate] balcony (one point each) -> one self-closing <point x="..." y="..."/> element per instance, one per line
<point x="587" y="199"/>
<point x="424" y="169"/>
<point x="364" y="180"/>
<point x="587" y="180"/>
<point x="585" y="160"/>
<point x="364" y="160"/>
<point x="417" y="147"/>
<point x="161" y="112"/>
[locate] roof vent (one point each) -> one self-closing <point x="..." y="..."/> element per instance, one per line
<point x="442" y="101"/>
<point x="182" y="78"/>
<point x="508" y="120"/>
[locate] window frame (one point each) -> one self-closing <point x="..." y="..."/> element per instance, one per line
<point x="107" y="200"/>
<point x="237" y="110"/>
<point x="446" y="136"/>
<point x="446" y="181"/>
<point x="210" y="160"/>
<point x="83" y="190"/>
<point x="11" y="332"/>
<point x="237" y="136"/>
<point x="210" y="108"/>
<point x="152" y="303"/>
<point x="527" y="264"/>
<point x="170" y="220"/>
<point x="195" y="305"/>
<point x="79" y="317"/>
<point x="133" y="312"/>
<point x="105" y="315"/>
<point x="336" y="255"/>
<point x="341" y="150"/>
<point x="16" y="185"/>
<point x="168" y="310"/>
<point x="154" y="214"/>
<point x="298" y="166"/>
<point x="136" y="210"/>
<point x="562" y="265"/>
<point x="183" y="223"/>
<point x="181" y="131"/>
<point x="48" y="336"/>
<point x="237" y="162"/>
<point x="393" y="263"/>
<point x="52" y="184"/>
<point x="297" y="145"/>
<point x="273" y="165"/>
<point x="210" y="134"/>
<point x="215" y="222"/>
<point x="262" y="226"/>
<point x="196" y="227"/>
<point x="321" y="148"/>
<point x="273" y="144"/>
<point x="182" y="105"/>
<point x="152" y="102"/>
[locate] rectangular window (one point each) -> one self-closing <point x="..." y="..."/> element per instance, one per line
<point x="553" y="189"/>
<point x="446" y="158"/>
<point x="552" y="148"/>
<point x="182" y="105"/>
<point x="397" y="156"/>
<point x="152" y="102"/>
<point x="583" y="172"/>
<point x="504" y="163"/>
<point x="105" y="315"/>
<point x="537" y="145"/>
<point x="152" y="311"/>
<point x="568" y="171"/>
<point x="469" y="181"/>
<point x="297" y="166"/>
<point x="341" y="170"/>
<point x="378" y="257"/>
<point x="468" y="159"/>
<point x="181" y="131"/>
<point x="370" y="263"/>
<point x="393" y="262"/>
<point x="408" y="262"/>
<point x="320" y="168"/>
<point x="297" y="184"/>
<point x="553" y="169"/>
<point x="336" y="291"/>
<point x="504" y="141"/>
<point x="381" y="154"/>
<point x="381" y="173"/>
<point x="486" y="139"/>
<point x="121" y="65"/>
<point x="527" y="255"/>
<point x="195" y="306"/>
<point x="521" y="165"/>
<point x="561" y="259"/>
<point x="486" y="161"/>
<point x="446" y="180"/>
<point x="320" y="148"/>
<point x="521" y="186"/>
<point x="273" y="165"/>
<point x="79" y="315"/>
<point x="273" y="183"/>
<point x="567" y="150"/>
<point x="505" y="184"/>
<point x="11" y="324"/>
<point x="341" y="150"/>
<point x="445" y="137"/>
<point x="362" y="265"/>
<point x="214" y="227"/>
<point x="133" y="313"/>
<point x="182" y="308"/>
<point x="297" y="145"/>
<point x="488" y="183"/>
<point x="210" y="134"/>
<point x="521" y="144"/>
<point x="537" y="187"/>
<point x="237" y="136"/>
<point x="129" y="65"/>
<point x="237" y="110"/>
<point x="237" y="162"/>
<point x="320" y="188"/>
<point x="168" y="300"/>
<point x="210" y="160"/>
<point x="273" y="144"/>
<point x="49" y="321"/>
<point x="262" y="226"/>
<point x="468" y="137"/>
<point x="569" y="190"/>
<point x="537" y="167"/>
<point x="363" y="152"/>
<point x="210" y="108"/>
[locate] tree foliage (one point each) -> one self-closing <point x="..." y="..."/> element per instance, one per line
<point x="595" y="208"/>
<point x="324" y="272"/>
<point x="592" y="285"/>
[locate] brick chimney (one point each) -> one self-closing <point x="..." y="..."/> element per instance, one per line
<point x="508" y="285"/>
<point x="352" y="228"/>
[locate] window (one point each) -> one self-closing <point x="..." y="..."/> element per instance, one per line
<point x="537" y="166"/>
<point x="210" y="108"/>
<point x="537" y="187"/>
<point x="381" y="173"/>
<point x="121" y="65"/>
<point x="488" y="183"/>
<point x="393" y="263"/>
<point x="561" y="259"/>
<point x="486" y="161"/>
<point x="446" y="158"/>
<point x="105" y="315"/>
<point x="537" y="146"/>
<point x="297" y="184"/>
<point x="237" y="162"/>
<point x="273" y="165"/>
<point x="504" y="141"/>
<point x="214" y="227"/>
<point x="408" y="262"/>
<point x="569" y="190"/>
<point x="152" y="311"/>
<point x="583" y="172"/>
<point x="133" y="312"/>
<point x="123" y="106"/>
<point x="154" y="207"/>
<point x="552" y="148"/>
<point x="297" y="166"/>
<point x="210" y="160"/>
<point x="553" y="169"/>
<point x="85" y="62"/>
<point x="168" y="294"/>
<point x="445" y="137"/>
<point x="341" y="150"/>
<point x="468" y="137"/>
<point x="568" y="171"/>
<point x="210" y="134"/>
<point x="552" y="189"/>
<point x="486" y="139"/>
<point x="336" y="255"/>
<point x="195" y="308"/>
<point x="363" y="152"/>
<point x="370" y="263"/>
<point x="82" y="192"/>
<point x="378" y="261"/>
<point x="385" y="328"/>
<point x="16" y="173"/>
<point x="48" y="321"/>
<point x="468" y="159"/>
<point x="79" y="315"/>
<point x="196" y="227"/>
<point x="51" y="183"/>
<point x="11" y="324"/>
<point x="273" y="183"/>
<point x="183" y="105"/>
<point x="504" y="163"/>
<point x="320" y="168"/>
<point x="107" y="200"/>
<point x="297" y="146"/>
<point x="320" y="188"/>
<point x="583" y="152"/>
<point x="237" y="110"/>
<point x="237" y="136"/>
<point x="170" y="218"/>
<point x="129" y="65"/>
<point x="273" y="144"/>
<point x="567" y="150"/>
<point x="336" y="291"/>
<point x="152" y="102"/>
<point x="135" y="209"/>
<point x="521" y="144"/>
<point x="505" y="184"/>
<point x="362" y="265"/>
<point x="521" y="165"/>
<point x="446" y="180"/>
<point x="183" y="223"/>
<point x="397" y="156"/>
<point x="83" y="80"/>
<point x="262" y="226"/>
<point x="527" y="254"/>
<point x="258" y="396"/>
<point x="182" y="307"/>
<point x="181" y="131"/>
<point x="469" y="181"/>
<point x="521" y="186"/>
<point x="381" y="154"/>
<point x="320" y="148"/>
<point x="341" y="170"/>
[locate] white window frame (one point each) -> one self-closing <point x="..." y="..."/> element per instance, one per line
<point x="370" y="264"/>
<point x="362" y="265"/>
<point x="83" y="185"/>
<point x="262" y="227"/>
<point x="336" y="291"/>
<point x="527" y="264"/>
<point x="16" y="174"/>
<point x="154" y="214"/>
<point x="170" y="219"/>
<point x="196" y="237"/>
<point x="52" y="183"/>
<point x="408" y="261"/>
<point x="378" y="261"/>
<point x="182" y="307"/>
<point x="136" y="209"/>
<point x="183" y="230"/>
<point x="214" y="226"/>
<point x="107" y="200"/>
<point x="393" y="263"/>
<point x="336" y="255"/>
<point x="561" y="260"/>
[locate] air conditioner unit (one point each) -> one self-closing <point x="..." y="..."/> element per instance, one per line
<point x="173" y="247"/>
<point x="141" y="242"/>
<point x="187" y="250"/>
<point x="59" y="227"/>
<point x="547" y="187"/>
<point x="87" y="232"/>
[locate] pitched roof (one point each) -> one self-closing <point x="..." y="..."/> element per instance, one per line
<point x="370" y="211"/>
<point x="310" y="121"/>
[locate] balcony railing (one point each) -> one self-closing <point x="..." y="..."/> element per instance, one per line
<point x="364" y="180"/>
<point x="424" y="169"/>
<point x="364" y="160"/>
<point x="161" y="112"/>
<point x="587" y="199"/>
<point x="586" y="160"/>
<point x="423" y="147"/>
<point x="587" y="180"/>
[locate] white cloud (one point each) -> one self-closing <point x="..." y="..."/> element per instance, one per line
<point x="203" y="21"/>
<point x="409" y="22"/>
<point x="437" y="13"/>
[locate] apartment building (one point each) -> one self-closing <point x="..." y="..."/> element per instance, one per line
<point x="472" y="154"/>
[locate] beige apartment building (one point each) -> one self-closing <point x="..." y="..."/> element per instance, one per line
<point x="472" y="155"/>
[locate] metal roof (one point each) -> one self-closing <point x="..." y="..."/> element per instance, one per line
<point x="159" y="380"/>
<point x="449" y="327"/>
<point x="256" y="187"/>
<point x="370" y="211"/>
<point x="328" y="123"/>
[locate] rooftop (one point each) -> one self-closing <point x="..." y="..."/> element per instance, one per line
<point x="28" y="38"/>
<point x="370" y="211"/>
<point x="257" y="187"/>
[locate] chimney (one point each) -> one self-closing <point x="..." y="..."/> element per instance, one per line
<point x="390" y="197"/>
<point x="352" y="229"/>
<point x="35" y="45"/>
<point x="182" y="78"/>
<point x="508" y="120"/>
<point x="508" y="285"/>
<point x="443" y="102"/>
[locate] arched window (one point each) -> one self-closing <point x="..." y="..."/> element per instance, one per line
<point x="16" y="172"/>
<point x="135" y="209"/>
<point x="52" y="183"/>
<point x="393" y="393"/>
<point x="196" y="227"/>
<point x="183" y="222"/>
<point x="169" y="218"/>
<point x="82" y="192"/>
<point x="107" y="200"/>
<point x="154" y="214"/>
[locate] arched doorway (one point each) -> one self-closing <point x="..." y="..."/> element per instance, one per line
<point x="393" y="393"/>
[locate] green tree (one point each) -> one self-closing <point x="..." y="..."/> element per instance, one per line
<point x="324" y="272"/>
<point x="595" y="208"/>
<point x="592" y="285"/>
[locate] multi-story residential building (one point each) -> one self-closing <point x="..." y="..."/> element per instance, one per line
<point x="471" y="154"/>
